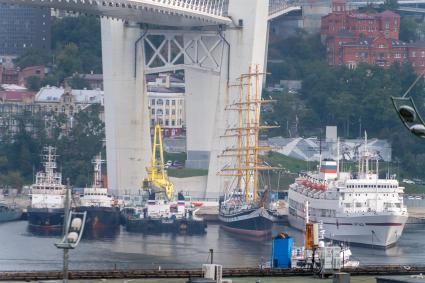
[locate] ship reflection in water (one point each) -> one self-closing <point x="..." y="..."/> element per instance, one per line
<point x="243" y="237"/>
<point x="23" y="250"/>
<point x="89" y="234"/>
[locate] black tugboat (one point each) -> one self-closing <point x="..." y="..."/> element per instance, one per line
<point x="46" y="210"/>
<point x="102" y="211"/>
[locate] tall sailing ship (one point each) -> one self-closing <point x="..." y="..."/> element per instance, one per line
<point x="361" y="208"/>
<point x="47" y="194"/>
<point x="242" y="209"/>
<point x="102" y="211"/>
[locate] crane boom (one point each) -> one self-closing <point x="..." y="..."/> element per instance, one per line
<point x="157" y="180"/>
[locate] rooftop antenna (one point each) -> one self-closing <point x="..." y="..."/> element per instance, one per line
<point x="337" y="157"/>
<point x="320" y="150"/>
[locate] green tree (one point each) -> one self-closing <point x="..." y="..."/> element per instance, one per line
<point x="33" y="83"/>
<point x="408" y="29"/>
<point x="32" y="57"/>
<point x="79" y="82"/>
<point x="68" y="61"/>
<point x="390" y="5"/>
<point x="12" y="179"/>
<point x="84" y="32"/>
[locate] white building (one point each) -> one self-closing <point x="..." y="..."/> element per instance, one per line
<point x="166" y="96"/>
<point x="66" y="100"/>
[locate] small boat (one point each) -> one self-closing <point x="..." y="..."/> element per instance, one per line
<point x="418" y="197"/>
<point x="197" y="203"/>
<point x="9" y="212"/>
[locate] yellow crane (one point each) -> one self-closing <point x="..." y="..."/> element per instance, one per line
<point x="157" y="179"/>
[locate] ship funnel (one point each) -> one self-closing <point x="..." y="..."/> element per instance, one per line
<point x="328" y="169"/>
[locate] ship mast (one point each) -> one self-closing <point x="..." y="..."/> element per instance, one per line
<point x="97" y="176"/>
<point x="245" y="153"/>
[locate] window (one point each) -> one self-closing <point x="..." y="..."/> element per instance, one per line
<point x="153" y="111"/>
<point x="381" y="46"/>
<point x="153" y="102"/>
<point x="173" y="122"/>
<point x="423" y="54"/>
<point x="166" y="122"/>
<point x="173" y="112"/>
<point x="167" y="111"/>
<point x="413" y="53"/>
<point x="167" y="102"/>
<point x="173" y="102"/>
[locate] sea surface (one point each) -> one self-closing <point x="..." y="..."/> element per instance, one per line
<point x="21" y="249"/>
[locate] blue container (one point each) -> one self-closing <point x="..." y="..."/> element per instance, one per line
<point x="281" y="252"/>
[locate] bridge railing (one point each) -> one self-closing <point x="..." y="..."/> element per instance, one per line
<point x="276" y="6"/>
<point x="212" y="7"/>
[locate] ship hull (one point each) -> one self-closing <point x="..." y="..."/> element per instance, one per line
<point x="367" y="230"/>
<point x="45" y="218"/>
<point x="148" y="225"/>
<point x="10" y="215"/>
<point x="100" y="217"/>
<point x="256" y="222"/>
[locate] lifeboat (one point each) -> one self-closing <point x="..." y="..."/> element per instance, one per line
<point x="197" y="203"/>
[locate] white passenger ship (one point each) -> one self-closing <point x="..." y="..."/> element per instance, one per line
<point x="360" y="209"/>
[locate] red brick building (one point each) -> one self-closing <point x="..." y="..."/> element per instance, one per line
<point x="352" y="37"/>
<point x="36" y="71"/>
<point x="18" y="77"/>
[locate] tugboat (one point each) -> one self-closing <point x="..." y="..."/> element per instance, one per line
<point x="101" y="209"/>
<point x="162" y="213"/>
<point x="46" y="211"/>
<point x="242" y="209"/>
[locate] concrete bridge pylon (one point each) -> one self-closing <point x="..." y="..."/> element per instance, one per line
<point x="126" y="107"/>
<point x="208" y="94"/>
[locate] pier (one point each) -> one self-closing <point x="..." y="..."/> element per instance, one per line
<point x="186" y="273"/>
<point x="416" y="215"/>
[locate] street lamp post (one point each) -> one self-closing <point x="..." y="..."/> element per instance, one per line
<point x="408" y="113"/>
<point x="73" y="228"/>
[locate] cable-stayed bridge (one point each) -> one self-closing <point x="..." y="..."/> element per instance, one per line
<point x="214" y="41"/>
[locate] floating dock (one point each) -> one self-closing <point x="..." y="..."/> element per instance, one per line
<point x="416" y="215"/>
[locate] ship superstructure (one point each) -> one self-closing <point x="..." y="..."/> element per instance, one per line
<point x="356" y="207"/>
<point x="242" y="207"/>
<point x="47" y="195"/>
<point x="99" y="205"/>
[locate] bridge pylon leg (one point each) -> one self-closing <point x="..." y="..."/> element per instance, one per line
<point x="208" y="94"/>
<point x="126" y="106"/>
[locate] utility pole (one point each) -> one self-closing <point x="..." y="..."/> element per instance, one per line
<point x="67" y="208"/>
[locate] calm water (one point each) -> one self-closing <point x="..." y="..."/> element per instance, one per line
<point x="22" y="250"/>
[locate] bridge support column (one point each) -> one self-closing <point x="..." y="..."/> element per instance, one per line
<point x="126" y="107"/>
<point x="208" y="95"/>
